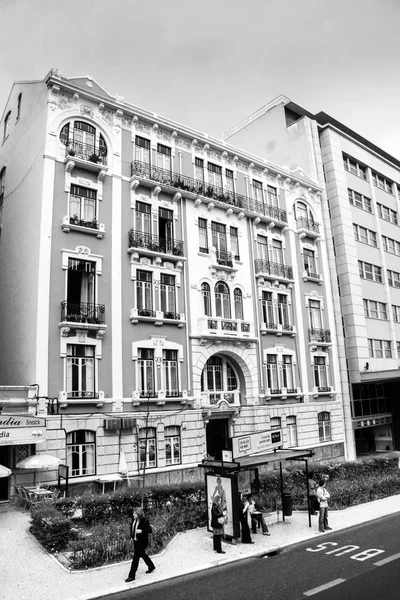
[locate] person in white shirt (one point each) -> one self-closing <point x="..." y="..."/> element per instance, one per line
<point x="323" y="496"/>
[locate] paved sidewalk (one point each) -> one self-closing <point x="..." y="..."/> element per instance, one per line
<point x="29" y="573"/>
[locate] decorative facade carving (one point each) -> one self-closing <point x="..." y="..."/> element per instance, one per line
<point x="87" y="110"/>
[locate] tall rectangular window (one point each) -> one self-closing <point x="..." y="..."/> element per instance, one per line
<point x="258" y="195"/>
<point x="214" y="175"/>
<point x="218" y="234"/>
<point x="315" y="315"/>
<point x="148" y="447"/>
<point x="146" y="372"/>
<point x="291" y="425"/>
<point x="164" y="157"/>
<point x="203" y="237"/>
<point x="143" y="217"/>
<point x="170" y="373"/>
<point x="309" y="262"/>
<point x="234" y="242"/>
<point x="172" y="436"/>
<point x="142" y="150"/>
<point x="82" y="204"/>
<point x="229" y="180"/>
<point x="144" y="296"/>
<point x="320" y="373"/>
<point x="167" y="293"/>
<point x="272" y="372"/>
<point x="277" y="252"/>
<point x="81" y="453"/>
<point x="199" y="169"/>
<point x="287" y="373"/>
<point x="262" y="247"/>
<point x="272" y="196"/>
<point x="324" y="426"/>
<point x="80" y="371"/>
<point x="283" y="310"/>
<point x="268" y="310"/>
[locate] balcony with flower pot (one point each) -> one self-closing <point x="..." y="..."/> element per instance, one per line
<point x="91" y="227"/>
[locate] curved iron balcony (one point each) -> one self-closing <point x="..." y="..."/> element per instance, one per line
<point x="155" y="243"/>
<point x="319" y="335"/>
<point x="308" y="224"/>
<point x="87" y="152"/>
<point x="273" y="268"/>
<point x="196" y="186"/>
<point x="83" y="312"/>
<point x="224" y="258"/>
<point x="146" y="312"/>
<point x="171" y="315"/>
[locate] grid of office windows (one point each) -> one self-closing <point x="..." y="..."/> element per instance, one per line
<point x="354" y="167"/>
<point x="368" y="271"/>
<point x="365" y="236"/>
<point x="387" y="214"/>
<point x="391" y="246"/>
<point x="373" y="398"/>
<point x="375" y="310"/>
<point x="359" y="200"/>
<point x="380" y="348"/>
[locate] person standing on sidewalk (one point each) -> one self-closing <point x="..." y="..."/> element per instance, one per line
<point x="323" y="496"/>
<point x="140" y="531"/>
<point x="217" y="523"/>
<point x="312" y="492"/>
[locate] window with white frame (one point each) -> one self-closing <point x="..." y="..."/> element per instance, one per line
<point x="219" y="380"/>
<point x="359" y="200"/>
<point x="146" y="383"/>
<point x="324" y="426"/>
<point x="142" y="150"/>
<point x="199" y="169"/>
<point x="222" y="300"/>
<point x="218" y="234"/>
<point x="170" y="373"/>
<point x="396" y="313"/>
<point x="315" y="314"/>
<point x="387" y="214"/>
<point x="257" y="187"/>
<point x="172" y="437"/>
<point x="272" y="374"/>
<point x="277" y="252"/>
<point x="234" y="238"/>
<point x="81" y="289"/>
<point x="206" y="293"/>
<point x="164" y="157"/>
<point x="143" y="217"/>
<point x="393" y="278"/>
<point x="229" y="184"/>
<point x="398" y="349"/>
<point x="267" y="307"/>
<point x="304" y="216"/>
<point x="382" y="182"/>
<point x="144" y="292"/>
<point x="365" y="236"/>
<point x="84" y="141"/>
<point x="272" y="196"/>
<point x="167" y="294"/>
<point x="380" y="348"/>
<point x="80" y="371"/>
<point x="369" y="271"/>
<point x="203" y="237"/>
<point x="7" y="123"/>
<point x="262" y="247"/>
<point x="81" y="452"/>
<point x="214" y="175"/>
<point x="321" y="374"/>
<point x="375" y="310"/>
<point x="354" y="167"/>
<point x="283" y="311"/>
<point x="287" y="373"/>
<point x="238" y="303"/>
<point x="83" y="205"/>
<point x="148" y="447"/>
<point x="275" y="422"/>
<point x="309" y="262"/>
<point x="291" y="425"/>
<point x="391" y="246"/>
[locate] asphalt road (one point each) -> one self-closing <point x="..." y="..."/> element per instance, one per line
<point x="361" y="562"/>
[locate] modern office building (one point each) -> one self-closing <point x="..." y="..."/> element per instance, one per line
<point x="161" y="290"/>
<point x="360" y="207"/>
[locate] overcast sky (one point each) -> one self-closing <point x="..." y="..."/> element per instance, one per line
<point x="208" y="64"/>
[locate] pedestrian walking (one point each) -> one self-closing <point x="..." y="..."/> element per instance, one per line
<point x="312" y="492"/>
<point x="257" y="517"/>
<point x="323" y="496"/>
<point x="140" y="531"/>
<point x="245" y="520"/>
<point x="217" y="523"/>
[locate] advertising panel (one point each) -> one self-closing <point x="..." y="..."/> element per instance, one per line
<point x="255" y="443"/>
<point x="22" y="429"/>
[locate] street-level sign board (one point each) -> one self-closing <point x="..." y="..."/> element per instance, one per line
<point x="22" y="429"/>
<point x="254" y="443"/>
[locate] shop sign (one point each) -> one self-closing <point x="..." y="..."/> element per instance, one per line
<point x="254" y="443"/>
<point x="21" y="429"/>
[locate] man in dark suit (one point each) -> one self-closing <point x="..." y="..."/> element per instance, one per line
<point x="140" y="530"/>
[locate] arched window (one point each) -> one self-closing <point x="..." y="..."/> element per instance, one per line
<point x="238" y="302"/>
<point x="219" y="378"/>
<point x="206" y="293"/>
<point x="304" y="216"/>
<point x="84" y="141"/>
<point x="6" y="130"/>
<point x="324" y="426"/>
<point x="81" y="453"/>
<point x="222" y="300"/>
<point x="275" y="423"/>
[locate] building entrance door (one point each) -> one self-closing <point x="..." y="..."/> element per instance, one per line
<point x="5" y="461"/>
<point x="217" y="437"/>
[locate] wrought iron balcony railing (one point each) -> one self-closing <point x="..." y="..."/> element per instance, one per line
<point x="155" y="243"/>
<point x="75" y="220"/>
<point x="171" y="315"/>
<point x="83" y="312"/>
<point x="146" y="312"/>
<point x="224" y="258"/>
<point x="276" y="391"/>
<point x="308" y="224"/>
<point x="325" y="389"/>
<point x="313" y="275"/>
<point x="208" y="190"/>
<point x="319" y="335"/>
<point x="148" y="394"/>
<point x="84" y="394"/>
<point x="87" y="152"/>
<point x="291" y="390"/>
<point x="273" y="268"/>
<point x="173" y="394"/>
<point x="270" y="325"/>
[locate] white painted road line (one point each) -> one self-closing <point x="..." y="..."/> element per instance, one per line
<point x="387" y="560"/>
<point x="326" y="586"/>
